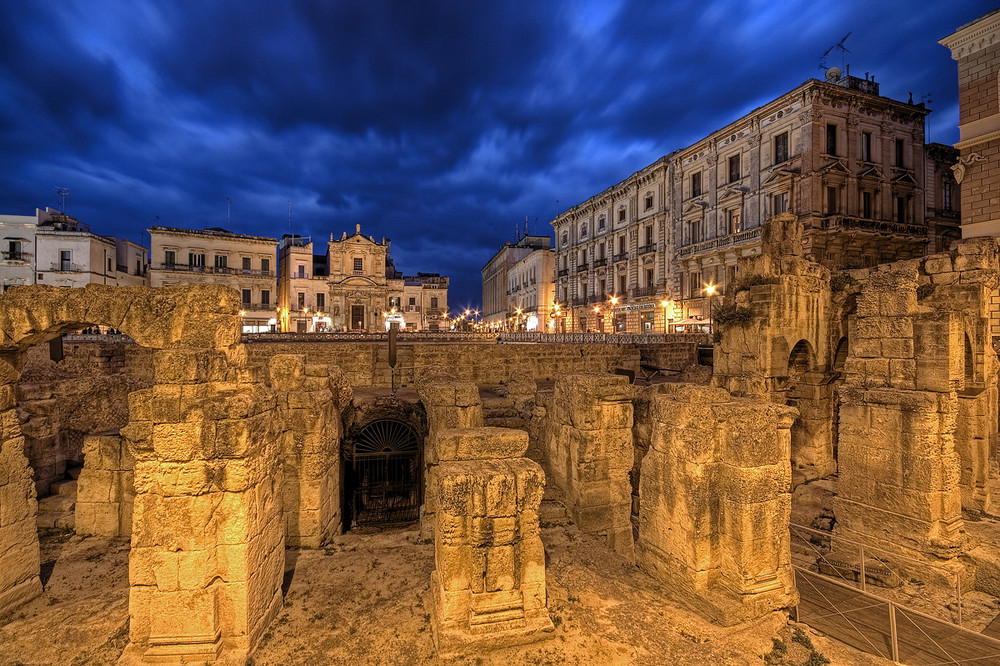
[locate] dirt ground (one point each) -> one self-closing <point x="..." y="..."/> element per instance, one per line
<point x="362" y="601"/>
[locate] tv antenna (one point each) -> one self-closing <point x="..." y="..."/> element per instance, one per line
<point x="843" y="53"/>
<point x="63" y="192"/>
<point x="229" y="211"/>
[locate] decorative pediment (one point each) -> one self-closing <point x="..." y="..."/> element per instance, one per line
<point x="836" y="165"/>
<point x="730" y="193"/>
<point x="781" y="173"/>
<point x="871" y="171"/>
<point x="691" y="208"/>
<point x="904" y="177"/>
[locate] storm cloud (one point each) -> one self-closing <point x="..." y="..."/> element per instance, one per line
<point x="441" y="125"/>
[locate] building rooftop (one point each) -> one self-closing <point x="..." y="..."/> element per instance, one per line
<point x="217" y="232"/>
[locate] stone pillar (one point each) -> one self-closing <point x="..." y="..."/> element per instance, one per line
<point x="106" y="488"/>
<point x="589" y="454"/>
<point x="207" y="555"/>
<point x="715" y="503"/>
<point x="488" y="584"/>
<point x="311" y="397"/>
<point x="973" y="428"/>
<point x="449" y="404"/>
<point x="19" y="555"/>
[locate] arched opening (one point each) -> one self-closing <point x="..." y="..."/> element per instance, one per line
<point x="382" y="474"/>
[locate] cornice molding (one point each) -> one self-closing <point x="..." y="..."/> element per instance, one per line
<point x="973" y="37"/>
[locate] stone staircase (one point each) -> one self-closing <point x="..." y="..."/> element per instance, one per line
<point x="58" y="510"/>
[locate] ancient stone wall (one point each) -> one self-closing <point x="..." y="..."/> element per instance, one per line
<point x="488" y="584"/>
<point x="365" y="364"/>
<point x="589" y="453"/>
<point x="106" y="490"/>
<point x="715" y="502"/>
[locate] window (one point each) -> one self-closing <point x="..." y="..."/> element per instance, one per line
<point x="138" y="266"/>
<point x="734" y="168"/>
<point x="866" y="204"/>
<point x="733" y="221"/>
<point x="649" y="201"/>
<point x="394" y="301"/>
<point x="246" y="263"/>
<point x="780" y="147"/>
<point x="946" y="195"/>
<point x="434" y="302"/>
<point x="196" y="259"/>
<point x="600" y="251"/>
<point x="899" y="153"/>
<point x="265" y="265"/>
<point x="649" y="235"/>
<point x="301" y="300"/>
<point x="565" y="237"/>
<point x="321" y="301"/>
<point x="247" y="296"/>
<point x="359" y="265"/>
<point x="866" y="146"/>
<point x="901" y="209"/>
<point x="601" y="223"/>
<point x="621" y="284"/>
<point x="696" y="184"/>
<point x="265" y="296"/>
<point x="779" y="203"/>
<point x="831" y="139"/>
<point x="696" y="231"/>
<point x="413" y="301"/>
<point x="831" y="200"/>
<point x="111" y="268"/>
<point x="302" y="270"/>
<point x="583" y="231"/>
<point x="649" y="277"/>
<point x="221" y="261"/>
<point x="170" y="258"/>
<point x="621" y="214"/>
<point x="65" y="259"/>
<point x="621" y="245"/>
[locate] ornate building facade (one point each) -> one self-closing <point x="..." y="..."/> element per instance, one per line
<point x="646" y="254"/>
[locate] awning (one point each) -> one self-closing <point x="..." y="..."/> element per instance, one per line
<point x="688" y="322"/>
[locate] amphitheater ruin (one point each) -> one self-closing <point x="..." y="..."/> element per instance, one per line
<point x="860" y="407"/>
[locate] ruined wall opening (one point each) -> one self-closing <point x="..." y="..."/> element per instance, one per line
<point x="383" y="480"/>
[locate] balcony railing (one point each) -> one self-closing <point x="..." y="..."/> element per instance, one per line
<point x="646" y="249"/>
<point x="563" y="272"/>
<point x="879" y="226"/>
<point x="597" y="298"/>
<point x="257" y="306"/>
<point x="16" y="256"/>
<point x="581" y="268"/>
<point x="644" y="291"/>
<point x="67" y="267"/>
<point x="621" y="256"/>
<point x="579" y="300"/>
<point x="220" y="270"/>
<point x="723" y="241"/>
<point x="600" y="262"/>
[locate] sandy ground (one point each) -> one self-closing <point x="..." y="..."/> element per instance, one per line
<point x="362" y="601"/>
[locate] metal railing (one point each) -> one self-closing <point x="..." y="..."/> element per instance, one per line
<point x="581" y="268"/>
<point x="221" y="270"/>
<point x="16" y="256"/>
<point x="67" y="267"/>
<point x="372" y="336"/>
<point x="563" y="272"/>
<point x="644" y="291"/>
<point x="646" y="249"/>
<point x="600" y="262"/>
<point x="869" y="598"/>
<point x="722" y="241"/>
<point x="603" y="338"/>
<point x="621" y="256"/>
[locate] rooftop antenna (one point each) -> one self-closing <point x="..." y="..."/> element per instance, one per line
<point x="833" y="73"/>
<point x="229" y="210"/>
<point x="63" y="192"/>
<point x="289" y="216"/>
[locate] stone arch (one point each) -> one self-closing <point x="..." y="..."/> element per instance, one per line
<point x="840" y="354"/>
<point x="195" y="447"/>
<point x="801" y="359"/>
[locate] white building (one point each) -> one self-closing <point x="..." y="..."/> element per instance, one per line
<point x="531" y="290"/>
<point x="17" y="253"/>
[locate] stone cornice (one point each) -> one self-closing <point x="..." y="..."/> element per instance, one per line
<point x="973" y="37"/>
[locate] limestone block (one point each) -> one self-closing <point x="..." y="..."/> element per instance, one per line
<point x="481" y="443"/>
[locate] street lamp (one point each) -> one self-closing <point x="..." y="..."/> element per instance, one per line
<point x="668" y="306"/>
<point x="710" y="290"/>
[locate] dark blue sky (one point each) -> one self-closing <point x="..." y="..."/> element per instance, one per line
<point x="438" y="124"/>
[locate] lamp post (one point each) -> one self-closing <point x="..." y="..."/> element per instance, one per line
<point x="668" y="306"/>
<point x="710" y="290"/>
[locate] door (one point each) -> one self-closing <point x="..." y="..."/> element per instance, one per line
<point x="383" y="482"/>
<point x="357" y="317"/>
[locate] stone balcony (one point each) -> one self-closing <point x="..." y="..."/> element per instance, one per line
<point x="739" y="238"/>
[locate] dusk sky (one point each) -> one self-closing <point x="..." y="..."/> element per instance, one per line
<point x="440" y="125"/>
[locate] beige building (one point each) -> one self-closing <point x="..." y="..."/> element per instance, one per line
<point x="976" y="48"/>
<point x="354" y="286"/>
<point x="848" y="162"/>
<point x="532" y="291"/>
<point x="216" y="256"/>
<point x="496" y="273"/>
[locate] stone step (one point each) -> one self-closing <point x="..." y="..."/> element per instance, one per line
<point x="66" y="488"/>
<point x="552" y="512"/>
<point x="74" y="472"/>
<point x="56" y="519"/>
<point x="57" y="504"/>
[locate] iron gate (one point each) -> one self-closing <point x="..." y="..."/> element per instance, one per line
<point x="384" y="480"/>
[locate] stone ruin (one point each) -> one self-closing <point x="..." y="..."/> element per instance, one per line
<point x="879" y="383"/>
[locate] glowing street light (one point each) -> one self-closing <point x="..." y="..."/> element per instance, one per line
<point x="668" y="312"/>
<point x="710" y="290"/>
<point x="614" y="300"/>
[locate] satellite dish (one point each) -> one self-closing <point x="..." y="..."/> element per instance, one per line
<point x="833" y="74"/>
